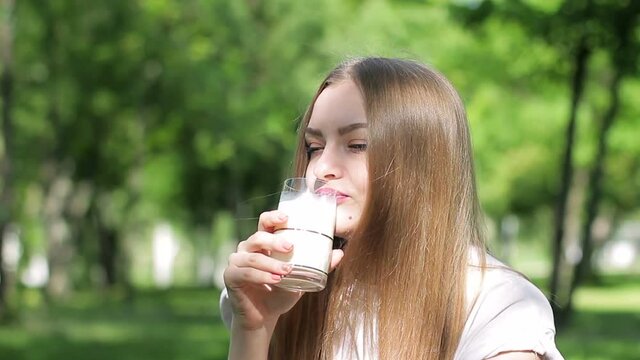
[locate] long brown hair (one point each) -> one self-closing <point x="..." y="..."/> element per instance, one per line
<point x="402" y="280"/>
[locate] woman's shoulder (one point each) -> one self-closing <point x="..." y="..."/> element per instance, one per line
<point x="500" y="289"/>
<point x="506" y="312"/>
<point x="494" y="278"/>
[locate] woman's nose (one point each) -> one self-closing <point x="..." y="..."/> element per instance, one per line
<point x="328" y="165"/>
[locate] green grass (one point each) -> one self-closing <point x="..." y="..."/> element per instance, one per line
<point x="606" y="324"/>
<point x="159" y="325"/>
<point x="184" y="324"/>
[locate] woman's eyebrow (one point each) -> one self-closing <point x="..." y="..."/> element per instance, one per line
<point x="313" y="132"/>
<point x="342" y="131"/>
<point x="346" y="129"/>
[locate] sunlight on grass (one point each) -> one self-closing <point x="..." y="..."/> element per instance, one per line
<point x="107" y="331"/>
<point x="620" y="298"/>
<point x="184" y="324"/>
<point x="606" y="324"/>
<point x="159" y="325"/>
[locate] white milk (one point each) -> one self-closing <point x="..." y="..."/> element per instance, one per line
<point x="310" y="229"/>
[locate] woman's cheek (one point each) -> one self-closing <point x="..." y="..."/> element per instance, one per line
<point x="346" y="221"/>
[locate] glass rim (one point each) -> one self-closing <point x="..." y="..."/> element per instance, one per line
<point x="289" y="185"/>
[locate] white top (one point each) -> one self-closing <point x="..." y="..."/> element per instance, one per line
<point x="509" y="314"/>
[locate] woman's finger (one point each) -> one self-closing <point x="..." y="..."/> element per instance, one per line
<point x="336" y="257"/>
<point x="260" y="262"/>
<point x="270" y="220"/>
<point x="235" y="277"/>
<point x="263" y="241"/>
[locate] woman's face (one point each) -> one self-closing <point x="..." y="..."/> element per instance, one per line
<point x="336" y="140"/>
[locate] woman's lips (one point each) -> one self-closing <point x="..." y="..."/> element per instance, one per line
<point x="340" y="196"/>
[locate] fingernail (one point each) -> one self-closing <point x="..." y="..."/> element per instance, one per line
<point x="287" y="245"/>
<point x="276" y="277"/>
<point x="282" y="217"/>
<point x="286" y="267"/>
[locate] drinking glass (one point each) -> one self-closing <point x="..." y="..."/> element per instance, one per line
<point x="311" y="211"/>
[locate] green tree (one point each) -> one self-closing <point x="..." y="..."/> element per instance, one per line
<point x="7" y="189"/>
<point x="577" y="29"/>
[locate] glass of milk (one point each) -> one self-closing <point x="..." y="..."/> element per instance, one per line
<point x="312" y="219"/>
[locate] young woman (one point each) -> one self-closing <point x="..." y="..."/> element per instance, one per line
<point x="412" y="279"/>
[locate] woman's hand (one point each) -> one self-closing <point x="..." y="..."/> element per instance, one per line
<point x="251" y="274"/>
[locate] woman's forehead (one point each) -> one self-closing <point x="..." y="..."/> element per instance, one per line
<point x="337" y="106"/>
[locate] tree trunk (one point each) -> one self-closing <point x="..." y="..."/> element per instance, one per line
<point x="107" y="237"/>
<point x="583" y="269"/>
<point x="6" y="192"/>
<point x="57" y="231"/>
<point x="108" y="254"/>
<point x="578" y="84"/>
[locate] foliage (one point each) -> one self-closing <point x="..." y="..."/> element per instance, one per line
<point x="133" y="113"/>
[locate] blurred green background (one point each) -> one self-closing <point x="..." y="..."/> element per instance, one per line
<point x="142" y="138"/>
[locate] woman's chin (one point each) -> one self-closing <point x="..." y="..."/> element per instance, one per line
<point x="344" y="231"/>
<point x="346" y="222"/>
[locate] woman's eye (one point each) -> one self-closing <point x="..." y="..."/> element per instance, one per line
<point x="358" y="147"/>
<point x="311" y="149"/>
